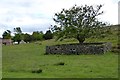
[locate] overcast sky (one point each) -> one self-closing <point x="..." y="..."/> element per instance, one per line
<point x="36" y="15"/>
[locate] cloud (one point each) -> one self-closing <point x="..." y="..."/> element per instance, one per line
<point x="34" y="13"/>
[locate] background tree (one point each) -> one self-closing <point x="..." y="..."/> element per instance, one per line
<point x="7" y="34"/>
<point x="17" y="38"/>
<point x="79" y="22"/>
<point x="18" y="30"/>
<point x="27" y="38"/>
<point x="48" y="35"/>
<point x="37" y="35"/>
<point x="18" y="35"/>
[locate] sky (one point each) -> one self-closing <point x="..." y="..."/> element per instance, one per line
<point x="37" y="15"/>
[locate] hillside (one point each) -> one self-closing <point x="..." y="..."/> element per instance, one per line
<point x="21" y="61"/>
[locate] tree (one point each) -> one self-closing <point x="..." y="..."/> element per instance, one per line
<point x="37" y="35"/>
<point x="27" y="38"/>
<point x="18" y="30"/>
<point x="7" y="34"/>
<point x="17" y="38"/>
<point x="79" y="22"/>
<point x="48" y="35"/>
<point x="18" y="35"/>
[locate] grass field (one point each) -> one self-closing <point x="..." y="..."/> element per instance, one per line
<point x="20" y="60"/>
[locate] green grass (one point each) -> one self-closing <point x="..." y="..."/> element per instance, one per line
<point x="20" y="60"/>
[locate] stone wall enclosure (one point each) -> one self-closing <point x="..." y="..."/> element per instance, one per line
<point x="85" y="48"/>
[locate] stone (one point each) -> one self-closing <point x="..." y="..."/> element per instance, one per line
<point x="85" y="48"/>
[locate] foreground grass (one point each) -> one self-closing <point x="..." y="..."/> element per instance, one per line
<point x="20" y="60"/>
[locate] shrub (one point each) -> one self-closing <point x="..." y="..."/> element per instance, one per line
<point x="60" y="63"/>
<point x="37" y="71"/>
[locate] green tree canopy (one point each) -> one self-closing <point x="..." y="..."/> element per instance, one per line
<point x="37" y="35"/>
<point x="79" y="22"/>
<point x="18" y="35"/>
<point x="7" y="34"/>
<point x="27" y="37"/>
<point x="48" y="35"/>
<point x="17" y="38"/>
<point x="18" y="30"/>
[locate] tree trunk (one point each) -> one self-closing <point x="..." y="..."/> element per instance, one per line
<point x="18" y="42"/>
<point x="81" y="39"/>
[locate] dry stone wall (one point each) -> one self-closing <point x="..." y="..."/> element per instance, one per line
<point x="85" y="48"/>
